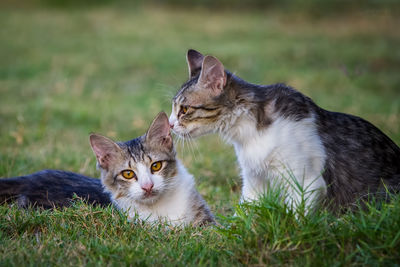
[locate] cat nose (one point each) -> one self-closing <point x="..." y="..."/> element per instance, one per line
<point x="171" y="121"/>
<point x="147" y="187"/>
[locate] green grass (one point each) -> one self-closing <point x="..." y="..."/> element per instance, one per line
<point x="261" y="233"/>
<point x="67" y="72"/>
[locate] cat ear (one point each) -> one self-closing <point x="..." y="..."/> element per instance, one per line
<point x="194" y="60"/>
<point x="159" y="131"/>
<point x="212" y="75"/>
<point x="106" y="150"/>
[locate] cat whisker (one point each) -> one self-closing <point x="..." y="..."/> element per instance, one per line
<point x="186" y="141"/>
<point x="167" y="91"/>
<point x="194" y="145"/>
<point x="190" y="145"/>
<point x="181" y="144"/>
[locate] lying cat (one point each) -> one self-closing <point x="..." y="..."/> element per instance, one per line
<point x="141" y="176"/>
<point x="282" y="137"/>
<point x="144" y="177"/>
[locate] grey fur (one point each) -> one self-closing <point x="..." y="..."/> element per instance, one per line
<point x="361" y="160"/>
<point x="156" y="145"/>
<point x="52" y="188"/>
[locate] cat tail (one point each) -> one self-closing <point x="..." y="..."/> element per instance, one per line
<point x="10" y="189"/>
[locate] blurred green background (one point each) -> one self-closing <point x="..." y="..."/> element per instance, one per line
<point x="69" y="68"/>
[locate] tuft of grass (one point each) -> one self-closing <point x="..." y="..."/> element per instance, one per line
<point x="266" y="232"/>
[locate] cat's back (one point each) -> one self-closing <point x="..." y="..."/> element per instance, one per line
<point x="359" y="155"/>
<point x="49" y="188"/>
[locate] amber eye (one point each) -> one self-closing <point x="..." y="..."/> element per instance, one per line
<point x="184" y="109"/>
<point x="128" y="174"/>
<point x="156" y="166"/>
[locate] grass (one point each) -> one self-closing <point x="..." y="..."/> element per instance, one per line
<point x="67" y="72"/>
<point x="262" y="233"/>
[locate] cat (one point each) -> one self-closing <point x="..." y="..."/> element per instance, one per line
<point x="144" y="177"/>
<point x="52" y="188"/>
<point x="281" y="137"/>
<point x="141" y="177"/>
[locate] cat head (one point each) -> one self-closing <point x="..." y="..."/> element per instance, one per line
<point x="197" y="107"/>
<point x="142" y="169"/>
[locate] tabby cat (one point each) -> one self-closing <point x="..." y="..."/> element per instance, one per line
<point x="142" y="177"/>
<point x="281" y="137"/>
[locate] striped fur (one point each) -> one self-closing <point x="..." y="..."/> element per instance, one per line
<point x="281" y="136"/>
<point x="173" y="196"/>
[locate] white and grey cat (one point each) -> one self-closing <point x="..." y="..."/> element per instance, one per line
<point x="141" y="176"/>
<point x="144" y="177"/>
<point x="282" y="137"/>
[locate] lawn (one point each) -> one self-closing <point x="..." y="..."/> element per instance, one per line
<point x="65" y="73"/>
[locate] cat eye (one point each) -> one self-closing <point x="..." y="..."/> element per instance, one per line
<point x="156" y="166"/>
<point x="128" y="174"/>
<point x="184" y="109"/>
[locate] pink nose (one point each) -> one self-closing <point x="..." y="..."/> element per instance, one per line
<point x="171" y="126"/>
<point x="147" y="187"/>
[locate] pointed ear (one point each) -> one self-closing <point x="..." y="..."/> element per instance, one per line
<point x="194" y="60"/>
<point x="159" y="132"/>
<point x="212" y="75"/>
<point x="106" y="150"/>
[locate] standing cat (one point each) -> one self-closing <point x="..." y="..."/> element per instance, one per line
<point x="282" y="137"/>
<point x="144" y="177"/>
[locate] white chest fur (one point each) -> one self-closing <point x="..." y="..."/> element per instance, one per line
<point x="285" y="151"/>
<point x="174" y="206"/>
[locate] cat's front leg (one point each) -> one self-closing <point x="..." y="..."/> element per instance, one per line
<point x="253" y="188"/>
<point x="249" y="193"/>
<point x="303" y="194"/>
